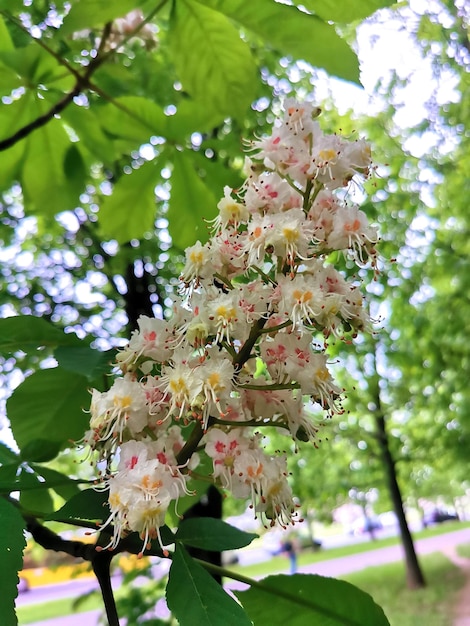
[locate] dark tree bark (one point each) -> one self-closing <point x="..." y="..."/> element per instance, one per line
<point x="414" y="575"/>
<point x="137" y="299"/>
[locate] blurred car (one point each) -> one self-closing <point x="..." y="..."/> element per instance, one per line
<point x="438" y="516"/>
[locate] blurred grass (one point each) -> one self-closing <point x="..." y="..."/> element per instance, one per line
<point x="464" y="550"/>
<point x="431" y="606"/>
<point x="30" y="613"/>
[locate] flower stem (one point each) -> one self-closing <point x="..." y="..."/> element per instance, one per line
<point x="273" y="387"/>
<point x="191" y="444"/>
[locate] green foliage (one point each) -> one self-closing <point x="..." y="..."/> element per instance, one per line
<point x="83" y="360"/>
<point x="47" y="412"/>
<point x="27" y="332"/>
<point x="12" y="544"/>
<point x="138" y="215"/>
<point x="89" y="504"/>
<point x="191" y="201"/>
<point x="301" y="36"/>
<point x="346" y="10"/>
<point x="212" y="534"/>
<point x="92" y="13"/>
<point x="212" y="51"/>
<point x="196" y="599"/>
<point x="307" y="599"/>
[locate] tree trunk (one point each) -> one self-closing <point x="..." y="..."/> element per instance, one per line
<point x="414" y="575"/>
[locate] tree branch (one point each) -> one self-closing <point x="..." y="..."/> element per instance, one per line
<point x="82" y="83"/>
<point x="40" y="121"/>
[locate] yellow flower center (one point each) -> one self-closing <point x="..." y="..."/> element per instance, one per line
<point x="122" y="402"/>
<point x="327" y="155"/>
<point x="290" y="234"/>
<point x="302" y="296"/>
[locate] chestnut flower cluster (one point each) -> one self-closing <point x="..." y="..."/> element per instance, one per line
<point x="246" y="345"/>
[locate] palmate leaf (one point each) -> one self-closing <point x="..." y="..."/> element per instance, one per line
<point x="309" y="599"/>
<point x="214" y="64"/>
<point x="212" y="534"/>
<point x="46" y="412"/>
<point x="293" y="32"/>
<point x="196" y="599"/>
<point x="12" y="544"/>
<point x="191" y="203"/>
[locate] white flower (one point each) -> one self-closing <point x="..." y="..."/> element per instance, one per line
<point x="351" y="230"/>
<point x="231" y="212"/>
<point x="197" y="263"/>
<point x="301" y="299"/>
<point x="123" y="407"/>
<point x="290" y="236"/>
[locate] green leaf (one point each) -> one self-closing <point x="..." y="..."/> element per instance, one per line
<point x="12" y="544"/>
<point x="84" y="360"/>
<point x="15" y="115"/>
<point x="192" y="115"/>
<point x="31" y="63"/>
<point x="132" y="118"/>
<point x="89" y="504"/>
<point x="48" y="407"/>
<point x="214" y="64"/>
<point x="45" y="185"/>
<point x="8" y="477"/>
<point x="309" y="599"/>
<point x="27" y="332"/>
<point x="40" y="450"/>
<point x="26" y="480"/>
<point x="11" y="161"/>
<point x="130" y="211"/>
<point x="63" y="485"/>
<point x="345" y="11"/>
<point x="85" y="123"/>
<point x="196" y="599"/>
<point x="7" y="455"/>
<point x="86" y="14"/>
<point x="36" y="497"/>
<point x="191" y="203"/>
<point x="75" y="170"/>
<point x="295" y="33"/>
<point x="6" y="43"/>
<point x="213" y="534"/>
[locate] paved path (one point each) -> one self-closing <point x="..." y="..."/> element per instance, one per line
<point x="334" y="567"/>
